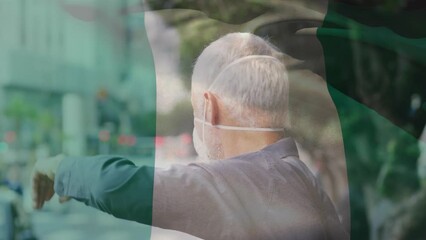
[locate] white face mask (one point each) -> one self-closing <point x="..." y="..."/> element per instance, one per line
<point x="199" y="146"/>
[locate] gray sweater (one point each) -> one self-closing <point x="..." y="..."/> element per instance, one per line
<point x="268" y="194"/>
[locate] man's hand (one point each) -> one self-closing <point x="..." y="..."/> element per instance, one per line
<point x="43" y="181"/>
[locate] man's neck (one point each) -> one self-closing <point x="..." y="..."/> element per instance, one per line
<point x="238" y="142"/>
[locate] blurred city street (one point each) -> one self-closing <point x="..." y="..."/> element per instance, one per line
<point x="75" y="221"/>
<point x="94" y="77"/>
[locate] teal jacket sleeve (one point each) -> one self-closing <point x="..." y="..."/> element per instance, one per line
<point x="109" y="183"/>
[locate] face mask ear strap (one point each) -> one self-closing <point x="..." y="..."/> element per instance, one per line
<point x="204" y="118"/>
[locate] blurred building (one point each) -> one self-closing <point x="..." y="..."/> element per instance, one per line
<point x="59" y="64"/>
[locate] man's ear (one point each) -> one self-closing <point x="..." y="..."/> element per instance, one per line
<point x="212" y="108"/>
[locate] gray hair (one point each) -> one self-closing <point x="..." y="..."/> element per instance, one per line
<point x="248" y="73"/>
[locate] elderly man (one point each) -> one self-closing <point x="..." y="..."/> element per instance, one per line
<point x="256" y="187"/>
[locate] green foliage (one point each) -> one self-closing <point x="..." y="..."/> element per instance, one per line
<point x="19" y="109"/>
<point x="198" y="29"/>
<point x="397" y="177"/>
<point x="195" y="36"/>
<point x="378" y="153"/>
<point x="372" y="74"/>
<point x="229" y="11"/>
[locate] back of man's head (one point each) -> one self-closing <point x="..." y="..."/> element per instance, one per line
<point x="248" y="74"/>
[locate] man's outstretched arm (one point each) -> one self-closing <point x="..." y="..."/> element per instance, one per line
<point x="186" y="197"/>
<point x="109" y="183"/>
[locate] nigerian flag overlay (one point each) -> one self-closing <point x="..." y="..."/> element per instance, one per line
<point x="109" y="84"/>
<point x="375" y="59"/>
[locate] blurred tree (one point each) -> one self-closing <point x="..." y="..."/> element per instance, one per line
<point x="18" y="110"/>
<point x="229" y="11"/>
<point x="177" y="121"/>
<point x="45" y="122"/>
<point x="374" y="62"/>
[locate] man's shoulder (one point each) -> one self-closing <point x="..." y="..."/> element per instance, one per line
<point x="261" y="160"/>
<point x="283" y="151"/>
<point x="237" y="163"/>
<point x="256" y="166"/>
